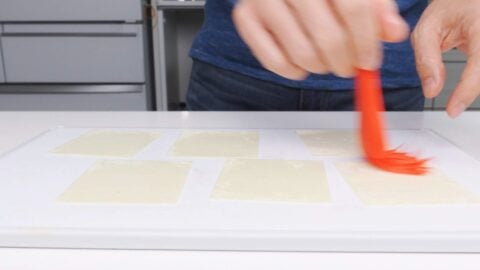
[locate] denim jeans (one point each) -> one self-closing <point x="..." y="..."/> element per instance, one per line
<point x="214" y="89"/>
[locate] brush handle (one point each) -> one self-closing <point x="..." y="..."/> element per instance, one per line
<point x="370" y="104"/>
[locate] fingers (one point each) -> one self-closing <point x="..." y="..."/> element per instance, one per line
<point x="295" y="37"/>
<point x="393" y="26"/>
<point x="468" y="89"/>
<point x="291" y="36"/>
<point x="326" y="34"/>
<point x="426" y="42"/>
<point x="263" y="44"/>
<point x="359" y="18"/>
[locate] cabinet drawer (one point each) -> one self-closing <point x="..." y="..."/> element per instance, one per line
<point x="2" y="71"/>
<point x="454" y="72"/>
<point x="50" y="53"/>
<point x="70" y="10"/>
<point x="73" y="98"/>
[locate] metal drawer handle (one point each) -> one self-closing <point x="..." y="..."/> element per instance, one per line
<point x="70" y="89"/>
<point x="69" y="34"/>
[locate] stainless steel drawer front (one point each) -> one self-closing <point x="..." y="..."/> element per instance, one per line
<point x="76" y="98"/>
<point x="70" y="53"/>
<point x="71" y="89"/>
<point x="70" y="10"/>
<point x="2" y="71"/>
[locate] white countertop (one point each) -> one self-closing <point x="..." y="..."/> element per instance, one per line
<point x="18" y="127"/>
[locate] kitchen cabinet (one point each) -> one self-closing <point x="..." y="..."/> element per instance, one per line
<point x="70" y="10"/>
<point x="2" y="71"/>
<point x="74" y="98"/>
<point x="177" y="24"/>
<point x="73" y="53"/>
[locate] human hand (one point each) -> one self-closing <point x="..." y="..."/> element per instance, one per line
<point x="447" y="24"/>
<point x="296" y="37"/>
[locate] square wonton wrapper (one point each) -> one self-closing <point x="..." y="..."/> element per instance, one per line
<point x="108" y="143"/>
<point x="331" y="143"/>
<point x="376" y="187"/>
<point x="273" y="180"/>
<point x="217" y="144"/>
<point x="129" y="182"/>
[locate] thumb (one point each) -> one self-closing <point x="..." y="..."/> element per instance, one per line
<point x="392" y="26"/>
<point x="468" y="88"/>
<point x="426" y="42"/>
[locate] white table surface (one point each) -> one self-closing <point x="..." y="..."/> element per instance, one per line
<point x="18" y="127"/>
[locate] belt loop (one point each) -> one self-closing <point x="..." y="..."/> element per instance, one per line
<point x="300" y="100"/>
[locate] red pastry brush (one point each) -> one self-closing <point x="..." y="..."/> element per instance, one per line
<point x="369" y="99"/>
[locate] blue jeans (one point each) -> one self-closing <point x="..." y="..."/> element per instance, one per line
<point x="215" y="89"/>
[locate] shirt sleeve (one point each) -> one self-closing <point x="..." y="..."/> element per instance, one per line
<point x="233" y="2"/>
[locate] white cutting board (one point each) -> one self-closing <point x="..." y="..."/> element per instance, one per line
<point x="31" y="179"/>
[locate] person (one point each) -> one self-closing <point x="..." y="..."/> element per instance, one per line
<point x="302" y="54"/>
